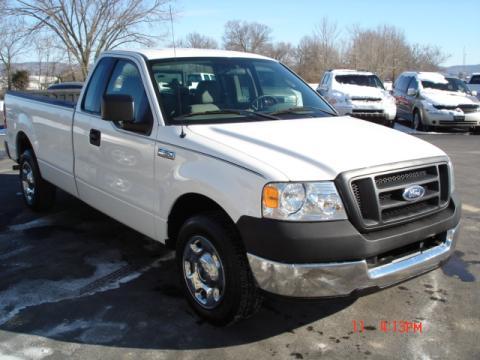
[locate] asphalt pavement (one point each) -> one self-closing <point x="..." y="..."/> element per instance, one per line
<point x="76" y="284"/>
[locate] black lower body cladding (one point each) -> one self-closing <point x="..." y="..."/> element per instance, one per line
<point x="332" y="241"/>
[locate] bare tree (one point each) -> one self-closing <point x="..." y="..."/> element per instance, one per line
<point x="283" y="52"/>
<point x="247" y="36"/>
<point x="50" y="53"/>
<point x="198" y="41"/>
<point x="318" y="52"/>
<point x="13" y="43"/>
<point x="88" y="27"/>
<point x="428" y="57"/>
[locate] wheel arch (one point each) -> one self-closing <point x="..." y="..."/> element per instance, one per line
<point x="22" y="143"/>
<point x="186" y="206"/>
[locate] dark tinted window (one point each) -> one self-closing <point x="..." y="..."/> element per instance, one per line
<point x="361" y="80"/>
<point x="402" y="83"/>
<point x="126" y="80"/>
<point x="475" y="80"/>
<point x="93" y="97"/>
<point x="412" y="84"/>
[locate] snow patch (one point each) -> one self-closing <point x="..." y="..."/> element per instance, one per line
<point x="432" y="77"/>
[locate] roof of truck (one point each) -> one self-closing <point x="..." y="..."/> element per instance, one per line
<point x="152" y="54"/>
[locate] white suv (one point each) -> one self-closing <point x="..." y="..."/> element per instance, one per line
<point x="360" y="94"/>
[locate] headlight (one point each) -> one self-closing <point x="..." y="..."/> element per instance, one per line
<point x="428" y="106"/>
<point x="339" y="97"/>
<point x="311" y="201"/>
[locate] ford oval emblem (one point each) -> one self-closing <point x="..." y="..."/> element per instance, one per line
<point x="414" y="192"/>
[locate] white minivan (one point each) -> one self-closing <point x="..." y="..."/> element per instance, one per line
<point x="360" y="94"/>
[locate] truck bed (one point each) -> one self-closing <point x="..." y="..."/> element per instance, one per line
<point x="48" y="124"/>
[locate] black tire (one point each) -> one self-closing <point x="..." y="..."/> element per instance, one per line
<point x="475" y="131"/>
<point x="390" y="123"/>
<point x="419" y="125"/>
<point x="39" y="195"/>
<point x="240" y="298"/>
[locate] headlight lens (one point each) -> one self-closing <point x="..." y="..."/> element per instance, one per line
<point x="312" y="201"/>
<point x="428" y="106"/>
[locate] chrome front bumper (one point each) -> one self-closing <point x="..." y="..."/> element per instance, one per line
<point x="343" y="278"/>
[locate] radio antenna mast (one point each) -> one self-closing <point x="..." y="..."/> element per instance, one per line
<point x="173" y="33"/>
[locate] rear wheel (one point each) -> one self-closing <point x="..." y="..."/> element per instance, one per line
<point x="215" y="274"/>
<point x="38" y="194"/>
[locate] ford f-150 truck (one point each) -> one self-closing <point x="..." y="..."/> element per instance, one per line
<point x="251" y="176"/>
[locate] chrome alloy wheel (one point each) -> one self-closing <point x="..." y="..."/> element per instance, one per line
<point x="28" y="182"/>
<point x="203" y="272"/>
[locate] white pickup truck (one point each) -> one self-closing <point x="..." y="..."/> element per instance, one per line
<point x="252" y="177"/>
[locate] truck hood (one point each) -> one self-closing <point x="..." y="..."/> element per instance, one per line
<point x="448" y="98"/>
<point x="315" y="149"/>
<point x="361" y="91"/>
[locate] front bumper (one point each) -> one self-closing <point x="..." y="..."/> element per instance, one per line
<point x="379" y="113"/>
<point x="318" y="259"/>
<point x="343" y="278"/>
<point x="450" y="118"/>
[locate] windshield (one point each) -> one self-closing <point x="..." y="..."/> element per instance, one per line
<point x="205" y="90"/>
<point x="360" y="80"/>
<point x="457" y="85"/>
<point x="437" y="85"/>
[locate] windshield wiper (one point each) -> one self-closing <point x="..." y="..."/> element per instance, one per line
<point x="299" y="109"/>
<point x="227" y="112"/>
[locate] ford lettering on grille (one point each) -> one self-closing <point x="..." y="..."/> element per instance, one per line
<point x="414" y="192"/>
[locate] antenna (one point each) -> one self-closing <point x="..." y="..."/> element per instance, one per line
<point x="173" y="33"/>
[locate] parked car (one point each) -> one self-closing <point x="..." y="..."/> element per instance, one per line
<point x="253" y="178"/>
<point x="474" y="83"/>
<point x="360" y="94"/>
<point x="429" y="101"/>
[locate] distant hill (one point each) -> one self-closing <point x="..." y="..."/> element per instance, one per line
<point x="456" y="69"/>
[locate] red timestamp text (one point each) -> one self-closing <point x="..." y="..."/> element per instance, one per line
<point x="390" y="326"/>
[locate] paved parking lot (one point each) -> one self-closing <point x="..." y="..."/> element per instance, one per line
<point x="76" y="284"/>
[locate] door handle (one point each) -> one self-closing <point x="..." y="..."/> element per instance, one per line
<point x="95" y="137"/>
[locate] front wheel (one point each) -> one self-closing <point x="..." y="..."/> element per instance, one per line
<point x="38" y="194"/>
<point x="215" y="274"/>
<point x="418" y="124"/>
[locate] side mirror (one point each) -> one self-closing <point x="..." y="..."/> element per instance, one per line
<point x="412" y="92"/>
<point x="117" y="108"/>
<point x="474" y="93"/>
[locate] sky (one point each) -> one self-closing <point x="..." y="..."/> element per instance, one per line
<point x="451" y="25"/>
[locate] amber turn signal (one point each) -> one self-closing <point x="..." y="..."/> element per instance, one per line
<point x="270" y="197"/>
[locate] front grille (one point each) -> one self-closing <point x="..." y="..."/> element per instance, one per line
<point x="458" y="123"/>
<point x="368" y="111"/>
<point x="379" y="198"/>
<point x="360" y="98"/>
<point x="405" y="251"/>
<point x="468" y="108"/>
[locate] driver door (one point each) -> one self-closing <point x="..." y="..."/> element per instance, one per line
<point x="114" y="161"/>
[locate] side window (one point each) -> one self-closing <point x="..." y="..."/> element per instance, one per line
<point x="96" y="86"/>
<point x="126" y="80"/>
<point x="413" y="84"/>
<point x="403" y="84"/>
<point x="475" y="80"/>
